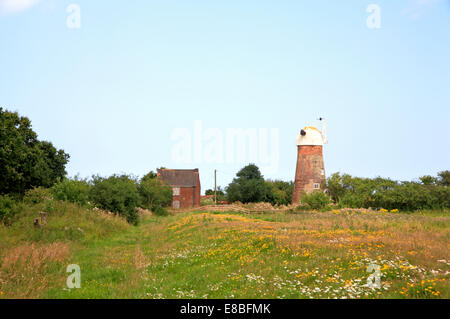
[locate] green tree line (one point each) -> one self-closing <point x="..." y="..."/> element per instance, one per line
<point x="33" y="171"/>
<point x="250" y="186"/>
<point x="356" y="192"/>
<point x="429" y="192"/>
<point x="25" y="161"/>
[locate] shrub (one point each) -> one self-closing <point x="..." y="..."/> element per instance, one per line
<point x="49" y="206"/>
<point x="444" y="178"/>
<point x="118" y="194"/>
<point x="220" y="193"/>
<point x="37" y="195"/>
<point x="413" y="196"/>
<point x="154" y="192"/>
<point x="207" y="201"/>
<point x="8" y="210"/>
<point x="316" y="200"/>
<point x="159" y="211"/>
<point x="351" y="200"/>
<point x="72" y="190"/>
<point x="355" y="192"/>
<point x="301" y="208"/>
<point x="280" y="192"/>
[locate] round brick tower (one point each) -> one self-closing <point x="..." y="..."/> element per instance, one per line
<point x="310" y="171"/>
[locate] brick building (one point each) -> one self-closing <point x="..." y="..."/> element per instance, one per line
<point x="310" y="171"/>
<point x="185" y="185"/>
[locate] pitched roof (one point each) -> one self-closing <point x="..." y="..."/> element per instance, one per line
<point x="179" y="177"/>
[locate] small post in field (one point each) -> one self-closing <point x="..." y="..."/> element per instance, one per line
<point x="36" y="222"/>
<point x="215" y="187"/>
<point x="43" y="218"/>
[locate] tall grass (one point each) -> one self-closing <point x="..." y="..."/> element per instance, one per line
<point x="227" y="254"/>
<point x="34" y="259"/>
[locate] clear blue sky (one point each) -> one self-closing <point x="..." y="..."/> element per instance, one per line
<point x="112" y="93"/>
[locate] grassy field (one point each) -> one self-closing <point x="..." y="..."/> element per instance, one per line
<point x="227" y="255"/>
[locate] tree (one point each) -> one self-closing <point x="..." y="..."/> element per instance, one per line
<point x="155" y="193"/>
<point x="335" y="186"/>
<point x="26" y="162"/>
<point x="74" y="190"/>
<point x="249" y="186"/>
<point x="444" y="178"/>
<point x="250" y="172"/>
<point x="149" y="175"/>
<point x="428" y="180"/>
<point x="316" y="200"/>
<point x="356" y="192"/>
<point x="280" y="192"/>
<point x="9" y="208"/>
<point x="220" y="193"/>
<point x="118" y="194"/>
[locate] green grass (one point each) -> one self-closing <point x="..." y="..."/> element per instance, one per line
<point x="226" y="255"/>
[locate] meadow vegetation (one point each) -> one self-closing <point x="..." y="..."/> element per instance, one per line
<point x="281" y="254"/>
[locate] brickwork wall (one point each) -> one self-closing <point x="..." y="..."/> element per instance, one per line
<point x="189" y="197"/>
<point x="310" y="170"/>
<point x="186" y="197"/>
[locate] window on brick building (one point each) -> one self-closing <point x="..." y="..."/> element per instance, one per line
<point x="176" y="204"/>
<point x="316" y="186"/>
<point x="176" y="191"/>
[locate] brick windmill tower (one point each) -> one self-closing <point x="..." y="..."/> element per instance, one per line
<point x="310" y="171"/>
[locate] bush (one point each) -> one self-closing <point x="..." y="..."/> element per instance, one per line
<point x="154" y="192"/>
<point x="37" y="195"/>
<point x="280" y="192"/>
<point x="207" y="201"/>
<point x="413" y="196"/>
<point x="118" y="194"/>
<point x="72" y="190"/>
<point x="351" y="201"/>
<point x="444" y="178"/>
<point x="316" y="200"/>
<point x="8" y="210"/>
<point x="159" y="211"/>
<point x="220" y="193"/>
<point x="355" y="192"/>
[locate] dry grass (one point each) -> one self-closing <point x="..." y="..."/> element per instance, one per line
<point x="24" y="270"/>
<point x="412" y="249"/>
<point x="264" y="254"/>
<point x="140" y="261"/>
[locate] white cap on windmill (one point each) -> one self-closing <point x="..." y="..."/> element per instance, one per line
<point x="311" y="135"/>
